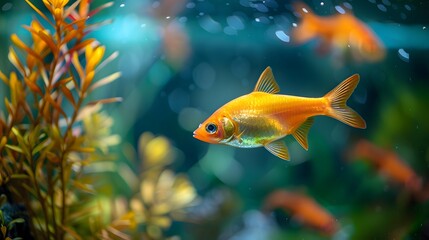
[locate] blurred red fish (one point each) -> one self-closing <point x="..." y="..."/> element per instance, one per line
<point x="343" y="32"/>
<point x="302" y="208"/>
<point x="389" y="164"/>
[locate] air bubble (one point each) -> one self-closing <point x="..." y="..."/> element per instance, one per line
<point x="386" y="2"/>
<point x="403" y="55"/>
<point x="235" y="22"/>
<point x="340" y="9"/>
<point x="190" y="5"/>
<point x="282" y="36"/>
<point x="6" y="7"/>
<point x="348" y="5"/>
<point x="407" y="7"/>
<point x="381" y="7"/>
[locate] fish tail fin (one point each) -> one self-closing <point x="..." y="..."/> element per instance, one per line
<point x="306" y="29"/>
<point x="337" y="99"/>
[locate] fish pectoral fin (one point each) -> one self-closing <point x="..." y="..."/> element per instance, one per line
<point x="278" y="148"/>
<point x="267" y="83"/>
<point x="238" y="137"/>
<point x="301" y="134"/>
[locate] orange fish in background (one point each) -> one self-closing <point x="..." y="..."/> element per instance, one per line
<point x="176" y="45"/>
<point x="343" y="32"/>
<point x="389" y="164"/>
<point x="263" y="118"/>
<point x="302" y="208"/>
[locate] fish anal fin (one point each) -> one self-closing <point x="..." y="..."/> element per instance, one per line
<point x="267" y="83"/>
<point x="278" y="148"/>
<point x="301" y="134"/>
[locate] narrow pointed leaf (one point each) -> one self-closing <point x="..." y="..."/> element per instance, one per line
<point x="14" y="148"/>
<point x="105" y="81"/>
<point x="20" y="44"/>
<point x="4" y="78"/>
<point x="104" y="6"/>
<point x="39" y="12"/>
<point x="107" y="100"/>
<point x="71" y="8"/>
<point x="33" y="86"/>
<point x="14" y="59"/>
<point x="68" y="95"/>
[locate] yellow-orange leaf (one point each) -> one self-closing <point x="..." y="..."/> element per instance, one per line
<point x="13" y="58"/>
<point x="33" y="86"/>
<point x="81" y="45"/>
<point x="48" y="97"/>
<point x="64" y="81"/>
<point x="88" y="79"/>
<point x="4" y="78"/>
<point x="79" y="23"/>
<point x="88" y="52"/>
<point x="94" y="58"/>
<point x="83" y="149"/>
<point x="84" y="8"/>
<point x="47" y="5"/>
<point x="20" y="44"/>
<point x="39" y="12"/>
<point x="69" y="36"/>
<point x="84" y="187"/>
<point x="68" y="95"/>
<point x="78" y="67"/>
<point x="49" y="41"/>
<point x="9" y="107"/>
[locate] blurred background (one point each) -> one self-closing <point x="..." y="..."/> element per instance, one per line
<point x="181" y="60"/>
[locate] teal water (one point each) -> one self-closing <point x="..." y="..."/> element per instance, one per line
<point x="226" y="45"/>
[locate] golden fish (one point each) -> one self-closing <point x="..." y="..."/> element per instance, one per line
<point x="341" y="31"/>
<point x="263" y="117"/>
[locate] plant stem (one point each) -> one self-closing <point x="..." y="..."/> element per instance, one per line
<point x="39" y="196"/>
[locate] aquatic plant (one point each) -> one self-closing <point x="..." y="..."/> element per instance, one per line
<point x="47" y="132"/>
<point x="6" y="227"/>
<point x="164" y="196"/>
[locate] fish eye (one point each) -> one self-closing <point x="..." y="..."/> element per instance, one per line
<point x="211" y="128"/>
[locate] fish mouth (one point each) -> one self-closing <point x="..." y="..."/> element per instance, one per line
<point x="196" y="135"/>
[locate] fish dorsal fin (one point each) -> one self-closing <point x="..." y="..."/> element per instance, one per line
<point x="301" y="133"/>
<point x="267" y="83"/>
<point x="278" y="148"/>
